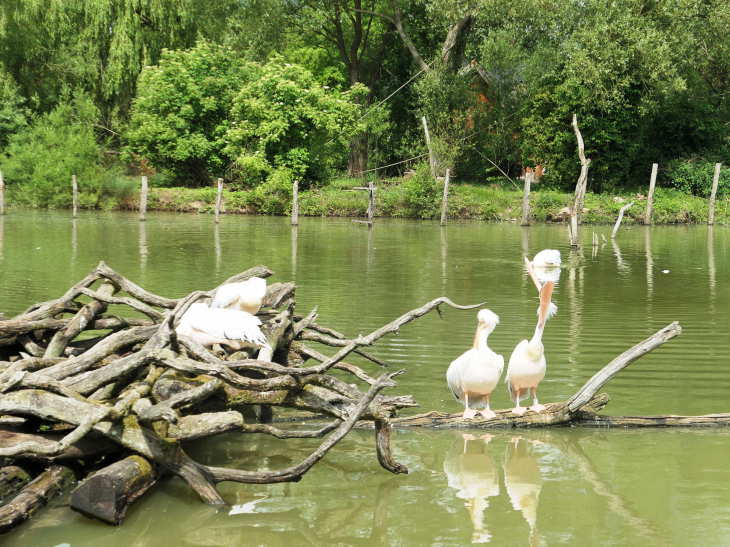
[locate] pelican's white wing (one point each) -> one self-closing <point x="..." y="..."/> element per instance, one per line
<point x="456" y="372"/>
<point x="230" y="324"/>
<point x="226" y="295"/>
<point x="547" y="257"/>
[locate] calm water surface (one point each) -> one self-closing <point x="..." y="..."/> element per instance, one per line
<point x="562" y="486"/>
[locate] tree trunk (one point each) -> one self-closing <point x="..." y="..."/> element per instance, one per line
<point x="358" y="162"/>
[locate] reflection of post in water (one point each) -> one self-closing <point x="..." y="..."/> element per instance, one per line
<point x="370" y="246"/>
<point x="649" y="265"/>
<point x="218" y="250"/>
<point x="443" y="261"/>
<point x="623" y="268"/>
<point x="711" y="265"/>
<point x="471" y="471"/>
<point x="2" y="234"/>
<point x="294" y="235"/>
<point x="142" y="250"/>
<point x="523" y="480"/>
<point x="526" y="252"/>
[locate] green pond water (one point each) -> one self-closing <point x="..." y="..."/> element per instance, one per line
<point x="570" y="486"/>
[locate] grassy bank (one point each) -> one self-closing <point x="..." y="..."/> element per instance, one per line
<point x="398" y="200"/>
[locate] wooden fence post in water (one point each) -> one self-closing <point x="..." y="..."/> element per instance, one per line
<point x="218" y="200"/>
<point x="526" y="201"/>
<point x="431" y="155"/>
<point x="295" y="204"/>
<point x="143" y="200"/>
<point x="2" y="194"/>
<point x="445" y="201"/>
<point x="620" y="218"/>
<point x="76" y="195"/>
<point x="715" y="180"/>
<point x="650" y="198"/>
<point x="595" y="239"/>
<point x="580" y="188"/>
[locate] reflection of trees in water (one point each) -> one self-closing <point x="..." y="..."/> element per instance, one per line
<point x="142" y="251"/>
<point x="472" y="473"/>
<point x="523" y="480"/>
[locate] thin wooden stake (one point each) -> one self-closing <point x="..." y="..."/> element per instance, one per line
<point x="295" y="204"/>
<point x="595" y="239"/>
<point x="76" y="195"/>
<point x="526" y="201"/>
<point x="143" y="200"/>
<point x="715" y="180"/>
<point x="371" y="207"/>
<point x="620" y="218"/>
<point x="650" y="198"/>
<point x="218" y="200"/>
<point x="431" y="155"/>
<point x="2" y="194"/>
<point x="445" y="201"/>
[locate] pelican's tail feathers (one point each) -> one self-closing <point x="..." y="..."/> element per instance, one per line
<point x="479" y="401"/>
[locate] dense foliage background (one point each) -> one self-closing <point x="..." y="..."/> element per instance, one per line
<point x="264" y="92"/>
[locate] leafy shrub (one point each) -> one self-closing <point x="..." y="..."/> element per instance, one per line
<point x="423" y="193"/>
<point x="13" y="115"/>
<point x="39" y="161"/>
<point x="695" y="175"/>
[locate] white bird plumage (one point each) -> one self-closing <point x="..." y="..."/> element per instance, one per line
<point x="527" y="365"/>
<point x="245" y="296"/>
<point x="233" y="328"/>
<point x="475" y="374"/>
<point x="547" y="265"/>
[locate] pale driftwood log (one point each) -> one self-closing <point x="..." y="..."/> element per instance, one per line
<point x="650" y="197"/>
<point x="295" y="204"/>
<point x="526" y="201"/>
<point x="76" y="196"/>
<point x="107" y="494"/>
<point x="715" y="181"/>
<point x="620" y="218"/>
<point x="2" y="194"/>
<point x="143" y="200"/>
<point x="34" y="496"/>
<point x="580" y="187"/>
<point x="445" y="201"/>
<point x="218" y="197"/>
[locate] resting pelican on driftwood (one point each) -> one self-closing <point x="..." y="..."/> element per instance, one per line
<point x="245" y="296"/>
<point x="474" y="375"/>
<point x="527" y="364"/>
<point x="233" y="328"/>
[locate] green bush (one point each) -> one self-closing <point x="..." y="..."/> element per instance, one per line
<point x="13" y="114"/>
<point x="39" y="161"/>
<point x="423" y="193"/>
<point x="695" y="175"/>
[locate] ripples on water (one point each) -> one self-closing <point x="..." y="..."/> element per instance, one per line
<point x="607" y="487"/>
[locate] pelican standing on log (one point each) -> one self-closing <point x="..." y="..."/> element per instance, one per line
<point x="527" y="364"/>
<point x="245" y="296"/>
<point x="474" y="375"/>
<point x="233" y="328"/>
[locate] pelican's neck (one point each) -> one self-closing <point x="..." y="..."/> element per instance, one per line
<point x="480" y="338"/>
<point x="535" y="345"/>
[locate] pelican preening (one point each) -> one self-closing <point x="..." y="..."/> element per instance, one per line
<point x="233" y="328"/>
<point x="527" y="364"/>
<point x="245" y="296"/>
<point x="474" y="375"/>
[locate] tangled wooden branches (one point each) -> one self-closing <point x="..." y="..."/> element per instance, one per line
<point x="138" y="387"/>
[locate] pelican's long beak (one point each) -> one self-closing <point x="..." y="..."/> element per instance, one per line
<point x="480" y="328"/>
<point x="546" y="294"/>
<point x="533" y="275"/>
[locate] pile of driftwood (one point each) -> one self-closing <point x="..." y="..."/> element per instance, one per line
<point x="120" y="403"/>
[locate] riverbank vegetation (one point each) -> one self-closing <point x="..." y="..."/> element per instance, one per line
<point x="268" y="92"/>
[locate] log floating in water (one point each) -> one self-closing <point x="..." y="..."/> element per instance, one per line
<point x="12" y="478"/>
<point x="107" y="494"/>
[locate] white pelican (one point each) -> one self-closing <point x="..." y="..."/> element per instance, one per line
<point x="547" y="265"/>
<point x="474" y="375"/>
<point x="245" y="296"/>
<point x="472" y="473"/>
<point x="527" y="365"/>
<point x="233" y="328"/>
<point x="523" y="480"/>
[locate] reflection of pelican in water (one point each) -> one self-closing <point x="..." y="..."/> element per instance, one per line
<point x="523" y="480"/>
<point x="471" y="471"/>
